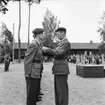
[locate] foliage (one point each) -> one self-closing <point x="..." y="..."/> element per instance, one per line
<point x="101" y="29"/>
<point x="3" y="9"/>
<point x="7" y="33"/>
<point x="3" y="4"/>
<point x="7" y="39"/>
<point x="50" y="24"/>
<point x="101" y="48"/>
<point x="32" y="1"/>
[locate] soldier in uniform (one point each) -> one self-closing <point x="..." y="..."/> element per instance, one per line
<point x="33" y="65"/>
<point x="7" y="61"/>
<point x="60" y="66"/>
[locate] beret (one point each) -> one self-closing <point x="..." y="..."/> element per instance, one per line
<point x="60" y="29"/>
<point x="38" y="31"/>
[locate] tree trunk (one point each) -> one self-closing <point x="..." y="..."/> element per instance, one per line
<point x="29" y="24"/>
<point x="19" y="42"/>
<point x="13" y="44"/>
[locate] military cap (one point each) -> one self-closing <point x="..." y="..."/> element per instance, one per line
<point x="61" y="29"/>
<point x="37" y="31"/>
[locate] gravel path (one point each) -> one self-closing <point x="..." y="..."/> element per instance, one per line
<point x="82" y="91"/>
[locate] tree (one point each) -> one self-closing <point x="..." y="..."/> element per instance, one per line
<point x="3" y="4"/>
<point x="19" y="28"/>
<point x="30" y="2"/>
<point x="29" y="23"/>
<point x="6" y="39"/>
<point x="50" y="24"/>
<point x="101" y="30"/>
<point x="101" y="48"/>
<point x="19" y="41"/>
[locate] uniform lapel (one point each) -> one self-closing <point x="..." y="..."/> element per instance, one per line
<point x="39" y="44"/>
<point x="61" y="42"/>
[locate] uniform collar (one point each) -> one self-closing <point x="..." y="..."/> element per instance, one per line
<point x="38" y="42"/>
<point x="63" y="40"/>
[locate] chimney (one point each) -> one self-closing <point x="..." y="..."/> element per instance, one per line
<point x="91" y="41"/>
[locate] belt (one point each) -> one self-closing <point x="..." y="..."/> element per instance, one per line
<point x="36" y="61"/>
<point x="60" y="59"/>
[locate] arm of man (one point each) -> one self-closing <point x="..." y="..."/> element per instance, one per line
<point x="29" y="56"/>
<point x="47" y="51"/>
<point x="58" y="51"/>
<point x="6" y="58"/>
<point x="62" y="49"/>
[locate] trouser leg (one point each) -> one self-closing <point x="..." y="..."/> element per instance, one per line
<point x="38" y="92"/>
<point x="32" y="89"/>
<point x="39" y="86"/>
<point x="40" y="83"/>
<point x="61" y="89"/>
<point x="6" y="66"/>
<point x="56" y="94"/>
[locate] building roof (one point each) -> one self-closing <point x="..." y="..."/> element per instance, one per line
<point x="85" y="45"/>
<point x="73" y="45"/>
<point x="23" y="46"/>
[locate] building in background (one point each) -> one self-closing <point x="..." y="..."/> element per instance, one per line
<point x="76" y="48"/>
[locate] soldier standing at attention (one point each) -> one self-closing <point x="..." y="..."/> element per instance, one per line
<point x="60" y="66"/>
<point x="7" y="61"/>
<point x="33" y="65"/>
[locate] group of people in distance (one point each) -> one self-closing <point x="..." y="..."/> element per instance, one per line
<point x="33" y="66"/>
<point x="89" y="58"/>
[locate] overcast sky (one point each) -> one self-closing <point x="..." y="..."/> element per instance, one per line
<point x="78" y="16"/>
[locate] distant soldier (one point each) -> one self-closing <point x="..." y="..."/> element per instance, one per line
<point x="90" y="57"/>
<point x="33" y="65"/>
<point x="7" y="61"/>
<point x="97" y="59"/>
<point x="74" y="58"/>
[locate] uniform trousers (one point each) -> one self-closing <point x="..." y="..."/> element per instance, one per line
<point x="39" y="88"/>
<point x="61" y="89"/>
<point x="32" y="88"/>
<point x="7" y="63"/>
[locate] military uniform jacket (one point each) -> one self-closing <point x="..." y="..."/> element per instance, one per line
<point x="60" y="64"/>
<point x="33" y="62"/>
<point x="7" y="58"/>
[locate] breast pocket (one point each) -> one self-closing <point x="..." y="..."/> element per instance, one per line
<point x="36" y="70"/>
<point x="39" y="54"/>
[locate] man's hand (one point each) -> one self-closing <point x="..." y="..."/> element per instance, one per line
<point x="56" y="40"/>
<point x="47" y="51"/>
<point x="45" y="48"/>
